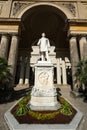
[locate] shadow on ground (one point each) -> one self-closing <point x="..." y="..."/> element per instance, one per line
<point x="10" y="96"/>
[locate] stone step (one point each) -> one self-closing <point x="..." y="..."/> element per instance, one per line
<point x="21" y="87"/>
<point x="26" y="86"/>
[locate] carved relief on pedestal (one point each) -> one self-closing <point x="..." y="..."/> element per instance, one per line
<point x="43" y="78"/>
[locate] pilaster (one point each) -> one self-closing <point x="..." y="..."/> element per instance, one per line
<point x="12" y="60"/>
<point x="74" y="60"/>
<point x="83" y="47"/>
<point x="4" y="45"/>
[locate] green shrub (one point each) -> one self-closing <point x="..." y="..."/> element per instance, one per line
<point x="22" y="109"/>
<point x="43" y="116"/>
<point x="81" y="72"/>
<point x="5" y="75"/>
<point x="66" y="108"/>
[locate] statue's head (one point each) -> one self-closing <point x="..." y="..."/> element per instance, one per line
<point x="43" y="34"/>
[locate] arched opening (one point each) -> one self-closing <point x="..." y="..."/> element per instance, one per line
<point x="39" y="19"/>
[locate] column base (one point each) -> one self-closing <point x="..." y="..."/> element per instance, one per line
<point x="26" y="81"/>
<point x="21" y="87"/>
<point x="20" y="81"/>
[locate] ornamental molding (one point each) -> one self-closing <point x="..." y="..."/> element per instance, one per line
<point x="17" y="6"/>
<point x="77" y="35"/>
<point x="71" y="7"/>
<point x="1" y="8"/>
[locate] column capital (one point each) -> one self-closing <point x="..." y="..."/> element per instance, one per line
<point x="72" y="35"/>
<point x="82" y="37"/>
<point x="14" y="34"/>
<point x="73" y="38"/>
<point x="78" y="35"/>
<point x="5" y="34"/>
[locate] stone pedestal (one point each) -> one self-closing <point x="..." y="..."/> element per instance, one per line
<point x="43" y="95"/>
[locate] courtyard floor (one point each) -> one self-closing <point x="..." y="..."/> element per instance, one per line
<point x="65" y="91"/>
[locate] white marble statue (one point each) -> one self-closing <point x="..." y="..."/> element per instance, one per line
<point x="44" y="47"/>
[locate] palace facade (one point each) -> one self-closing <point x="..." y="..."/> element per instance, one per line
<point x="21" y="25"/>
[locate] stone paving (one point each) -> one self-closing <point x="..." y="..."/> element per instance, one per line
<point x="65" y="90"/>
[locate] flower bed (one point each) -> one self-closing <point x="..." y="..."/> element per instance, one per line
<point x="24" y="115"/>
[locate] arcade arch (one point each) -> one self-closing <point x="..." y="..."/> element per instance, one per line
<point x="34" y="21"/>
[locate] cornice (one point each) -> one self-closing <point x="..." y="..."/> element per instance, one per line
<point x="7" y="21"/>
<point x="78" y="22"/>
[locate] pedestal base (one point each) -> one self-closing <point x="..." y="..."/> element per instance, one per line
<point x="44" y="103"/>
<point x="45" y="108"/>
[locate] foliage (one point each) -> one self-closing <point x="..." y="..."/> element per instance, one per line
<point x="81" y="72"/>
<point x="22" y="109"/>
<point x="5" y="75"/>
<point x="66" y="108"/>
<point x="43" y="116"/>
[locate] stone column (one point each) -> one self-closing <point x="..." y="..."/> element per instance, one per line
<point x="4" y="46"/>
<point x="83" y="47"/>
<point x="74" y="60"/>
<point x="58" y="72"/>
<point x="21" y="79"/>
<point x="12" y="60"/>
<point x="27" y="73"/>
<point x="64" y="78"/>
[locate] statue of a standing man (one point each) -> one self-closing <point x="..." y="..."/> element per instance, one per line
<point x="44" y="46"/>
